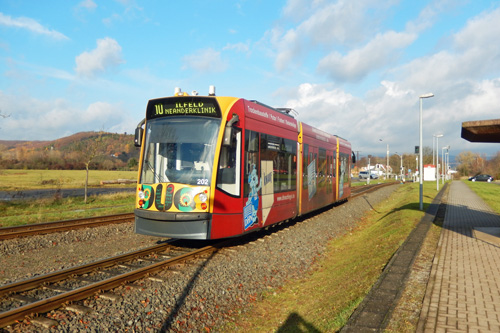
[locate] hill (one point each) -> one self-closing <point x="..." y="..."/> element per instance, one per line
<point x="116" y="151"/>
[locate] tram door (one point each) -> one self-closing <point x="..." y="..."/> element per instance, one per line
<point x="311" y="178"/>
<point x="267" y="181"/>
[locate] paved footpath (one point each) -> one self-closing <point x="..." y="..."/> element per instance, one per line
<point x="463" y="294"/>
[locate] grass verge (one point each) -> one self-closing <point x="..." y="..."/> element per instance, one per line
<point x="324" y="300"/>
<point x="489" y="192"/>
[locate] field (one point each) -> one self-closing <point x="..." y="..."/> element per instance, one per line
<point x="17" y="180"/>
<point x="55" y="208"/>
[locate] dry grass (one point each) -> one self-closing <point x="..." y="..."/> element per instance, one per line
<point x="16" y="180"/>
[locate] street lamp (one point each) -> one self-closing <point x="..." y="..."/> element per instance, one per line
<point x="369" y="173"/>
<point x="434" y="148"/>
<point x="387" y="165"/>
<point x="437" y="160"/>
<point x="443" y="161"/>
<point x="421" y="166"/>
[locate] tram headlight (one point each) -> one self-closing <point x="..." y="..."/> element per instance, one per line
<point x="141" y="195"/>
<point x="203" y="197"/>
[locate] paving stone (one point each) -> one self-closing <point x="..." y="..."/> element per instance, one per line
<point x="466" y="286"/>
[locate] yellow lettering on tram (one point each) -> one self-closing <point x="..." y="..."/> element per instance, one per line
<point x="159" y="108"/>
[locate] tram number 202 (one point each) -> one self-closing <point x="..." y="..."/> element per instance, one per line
<point x="203" y="181"/>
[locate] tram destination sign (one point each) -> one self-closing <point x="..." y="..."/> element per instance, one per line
<point x="183" y="106"/>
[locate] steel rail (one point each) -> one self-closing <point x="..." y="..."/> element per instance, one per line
<point x="54" y="302"/>
<point x="364" y="190"/>
<point x="57" y="226"/>
<point x="63" y="274"/>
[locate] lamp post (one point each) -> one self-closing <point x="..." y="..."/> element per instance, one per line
<point x="421" y="166"/>
<point x="447" y="157"/>
<point x="437" y="160"/>
<point x="434" y="148"/>
<point x="369" y="173"/>
<point x="433" y="145"/>
<point x="387" y="165"/>
<point x="444" y="162"/>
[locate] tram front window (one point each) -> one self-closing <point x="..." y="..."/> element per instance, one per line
<point x="180" y="150"/>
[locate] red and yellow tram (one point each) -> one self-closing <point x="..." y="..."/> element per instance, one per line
<point x="216" y="167"/>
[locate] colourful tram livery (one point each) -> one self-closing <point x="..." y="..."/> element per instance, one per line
<point x="216" y="167"/>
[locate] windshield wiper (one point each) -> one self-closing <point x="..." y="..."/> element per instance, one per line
<point x="156" y="176"/>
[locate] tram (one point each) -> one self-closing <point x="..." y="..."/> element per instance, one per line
<point x="216" y="167"/>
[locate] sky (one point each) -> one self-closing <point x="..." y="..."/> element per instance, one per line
<point x="351" y="68"/>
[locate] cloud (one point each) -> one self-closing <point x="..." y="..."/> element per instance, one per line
<point x="238" y="47"/>
<point x="205" y="61"/>
<point x="324" y="25"/>
<point x="102" y="59"/>
<point x="473" y="54"/>
<point x="464" y="75"/>
<point x="87" y="4"/>
<point x="391" y="112"/>
<point x="31" y="25"/>
<point x="36" y="119"/>
<point x="22" y="71"/>
<point x="322" y="106"/>
<point x="378" y="53"/>
<point x="361" y="121"/>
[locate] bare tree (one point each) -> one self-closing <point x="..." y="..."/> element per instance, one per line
<point x="469" y="163"/>
<point x="90" y="149"/>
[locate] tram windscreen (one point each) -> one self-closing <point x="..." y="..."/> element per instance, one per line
<point x="180" y="150"/>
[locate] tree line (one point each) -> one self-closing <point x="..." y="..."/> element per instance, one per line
<point x="471" y="164"/>
<point x="110" y="151"/>
<point x="466" y="163"/>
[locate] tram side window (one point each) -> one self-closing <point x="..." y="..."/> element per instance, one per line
<point x="283" y="154"/>
<point x="344" y="167"/>
<point x="228" y="175"/>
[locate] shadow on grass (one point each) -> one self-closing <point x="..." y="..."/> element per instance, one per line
<point x="295" y="323"/>
<point x="414" y="206"/>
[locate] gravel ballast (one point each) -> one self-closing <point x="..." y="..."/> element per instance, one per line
<point x="202" y="296"/>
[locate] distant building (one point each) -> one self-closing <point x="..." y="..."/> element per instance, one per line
<point x="429" y="172"/>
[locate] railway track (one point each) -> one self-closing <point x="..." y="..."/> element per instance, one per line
<point x="61" y="289"/>
<point x="58" y="226"/>
<point x="360" y="190"/>
<point x="51" y="291"/>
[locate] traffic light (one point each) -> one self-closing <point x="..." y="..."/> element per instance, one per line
<point x="417" y="149"/>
